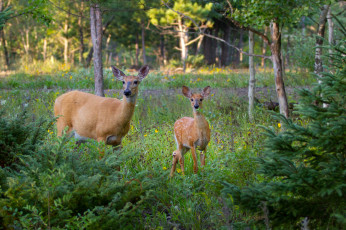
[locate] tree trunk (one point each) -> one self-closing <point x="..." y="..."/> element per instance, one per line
<point x="137" y="50"/>
<point x="44" y="49"/>
<point x="330" y="32"/>
<point x="143" y="45"/>
<point x="162" y="50"/>
<point x="225" y="60"/>
<point x="207" y="47"/>
<point x="183" y="47"/>
<point x="96" y="37"/>
<point x="81" y="34"/>
<point x="107" y="47"/>
<point x="275" y="48"/>
<point x="91" y="51"/>
<point x="303" y="26"/>
<point x="319" y="40"/>
<point x="240" y="45"/>
<point x="252" y="79"/>
<point x="264" y="48"/>
<point x="4" y="48"/>
<point x="198" y="48"/>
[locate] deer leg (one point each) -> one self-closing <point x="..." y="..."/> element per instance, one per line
<point x="174" y="164"/>
<point x="202" y="157"/>
<point x="193" y="152"/>
<point x="181" y="161"/>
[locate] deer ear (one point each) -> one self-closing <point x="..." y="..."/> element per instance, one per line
<point x="206" y="91"/>
<point x="118" y="74"/>
<point x="186" y="91"/>
<point x="143" y="72"/>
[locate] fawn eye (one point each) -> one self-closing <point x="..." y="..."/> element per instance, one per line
<point x="136" y="82"/>
<point x="123" y="82"/>
<point x="201" y="99"/>
<point x="191" y="99"/>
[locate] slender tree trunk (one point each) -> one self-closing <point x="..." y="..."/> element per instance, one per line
<point x="288" y="52"/>
<point x="96" y="37"/>
<point x="44" y="49"/>
<point x="240" y="45"/>
<point x="107" y="46"/>
<point x="143" y="45"/>
<point x="330" y="31"/>
<point x="275" y="48"/>
<point x="81" y="34"/>
<point x="91" y="51"/>
<point x="137" y="50"/>
<point x="319" y="40"/>
<point x="66" y="48"/>
<point x="303" y="26"/>
<point x="4" y="48"/>
<point x="162" y="50"/>
<point x="252" y="79"/>
<point x="198" y="48"/>
<point x="225" y="61"/>
<point x="183" y="47"/>
<point x="264" y="48"/>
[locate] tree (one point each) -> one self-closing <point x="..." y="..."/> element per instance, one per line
<point x="252" y="79"/>
<point x="254" y="14"/>
<point x="176" y="18"/>
<point x="96" y="37"/>
<point x="319" y="39"/>
<point x="303" y="166"/>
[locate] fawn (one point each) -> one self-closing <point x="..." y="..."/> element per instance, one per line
<point x="99" y="118"/>
<point x="191" y="133"/>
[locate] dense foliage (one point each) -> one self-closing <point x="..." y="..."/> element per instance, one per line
<point x="304" y="164"/>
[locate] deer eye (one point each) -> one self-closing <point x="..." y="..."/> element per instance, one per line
<point x="136" y="82"/>
<point x="191" y="99"/>
<point x="123" y="82"/>
<point x="201" y="99"/>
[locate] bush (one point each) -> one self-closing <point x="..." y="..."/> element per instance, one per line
<point x="19" y="136"/>
<point x="304" y="165"/>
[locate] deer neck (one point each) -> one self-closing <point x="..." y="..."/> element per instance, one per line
<point x="127" y="108"/>
<point x="200" y="121"/>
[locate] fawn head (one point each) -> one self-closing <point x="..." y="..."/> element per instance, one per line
<point x="130" y="83"/>
<point x="196" y="98"/>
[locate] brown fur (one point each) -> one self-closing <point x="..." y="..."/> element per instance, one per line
<point x="191" y="133"/>
<point x="99" y="118"/>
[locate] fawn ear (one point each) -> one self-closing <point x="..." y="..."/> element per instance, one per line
<point x="118" y="74"/>
<point x="186" y="91"/>
<point x="206" y="91"/>
<point x="143" y="72"/>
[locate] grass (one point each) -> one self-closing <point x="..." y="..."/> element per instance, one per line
<point x="193" y="201"/>
<point x="216" y="78"/>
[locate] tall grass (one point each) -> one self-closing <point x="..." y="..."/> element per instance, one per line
<point x="193" y="201"/>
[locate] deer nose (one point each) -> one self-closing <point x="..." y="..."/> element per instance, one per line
<point x="127" y="92"/>
<point x="196" y="106"/>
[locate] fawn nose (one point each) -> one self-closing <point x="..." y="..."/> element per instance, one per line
<point x="196" y="106"/>
<point x="127" y="92"/>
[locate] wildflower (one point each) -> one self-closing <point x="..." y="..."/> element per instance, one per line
<point x="248" y="133"/>
<point x="71" y="77"/>
<point x="156" y="131"/>
<point x="145" y="135"/>
<point x="178" y="170"/>
<point x="228" y="80"/>
<point x="279" y="125"/>
<point x="173" y="77"/>
<point x="212" y="95"/>
<point x="164" y="168"/>
<point x="62" y="74"/>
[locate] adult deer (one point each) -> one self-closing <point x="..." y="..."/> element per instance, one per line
<point x="99" y="118"/>
<point x="191" y="133"/>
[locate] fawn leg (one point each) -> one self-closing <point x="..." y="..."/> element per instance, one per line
<point x="193" y="152"/>
<point x="174" y="164"/>
<point x="202" y="157"/>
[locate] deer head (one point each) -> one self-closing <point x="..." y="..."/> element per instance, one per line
<point x="131" y="83"/>
<point x="196" y="98"/>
